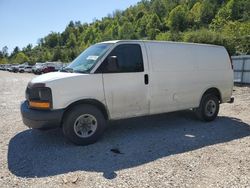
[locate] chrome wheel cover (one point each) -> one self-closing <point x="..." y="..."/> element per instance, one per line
<point x="210" y="108"/>
<point x="85" y="125"/>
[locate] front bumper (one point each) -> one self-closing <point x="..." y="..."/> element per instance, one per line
<point x="40" y="118"/>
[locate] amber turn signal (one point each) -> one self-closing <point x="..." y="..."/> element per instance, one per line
<point x="39" y="104"/>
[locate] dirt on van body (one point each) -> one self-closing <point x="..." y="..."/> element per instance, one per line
<point x="168" y="150"/>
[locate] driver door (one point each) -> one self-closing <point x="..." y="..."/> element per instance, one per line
<point x="125" y="87"/>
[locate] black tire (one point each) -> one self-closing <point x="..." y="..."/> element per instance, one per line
<point x="209" y="108"/>
<point x="45" y="128"/>
<point x="70" y="120"/>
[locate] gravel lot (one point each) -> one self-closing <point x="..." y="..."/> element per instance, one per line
<point x="170" y="150"/>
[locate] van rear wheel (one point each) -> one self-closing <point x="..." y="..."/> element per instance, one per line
<point x="84" y="124"/>
<point x="209" y="108"/>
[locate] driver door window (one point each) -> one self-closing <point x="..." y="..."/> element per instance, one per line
<point x="129" y="59"/>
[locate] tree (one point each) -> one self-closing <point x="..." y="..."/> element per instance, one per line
<point x="57" y="55"/>
<point x="177" y="19"/>
<point x="239" y="35"/>
<point x="127" y="31"/>
<point x="140" y="26"/>
<point x="158" y="7"/>
<point x="20" y="58"/>
<point x="194" y="15"/>
<point x="71" y="43"/>
<point x="234" y="10"/>
<point x="15" y="51"/>
<point x="3" y="60"/>
<point x="208" y="11"/>
<point x="240" y="10"/>
<point x="164" y="36"/>
<point x="153" y="26"/>
<point x="71" y="24"/>
<point x="209" y="37"/>
<point x="4" y="55"/>
<point x="5" y="51"/>
<point x="40" y="41"/>
<point x="52" y="40"/>
<point x="169" y="36"/>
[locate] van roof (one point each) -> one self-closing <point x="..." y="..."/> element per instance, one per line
<point x="155" y="41"/>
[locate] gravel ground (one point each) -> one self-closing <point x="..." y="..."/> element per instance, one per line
<point x="170" y="150"/>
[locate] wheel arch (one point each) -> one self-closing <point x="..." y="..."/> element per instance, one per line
<point x="212" y="90"/>
<point x="93" y="102"/>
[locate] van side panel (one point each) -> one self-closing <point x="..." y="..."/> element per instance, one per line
<point x="214" y="70"/>
<point x="180" y="73"/>
<point x="171" y="77"/>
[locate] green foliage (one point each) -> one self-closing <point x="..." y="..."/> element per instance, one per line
<point x="153" y="27"/>
<point x="194" y="16"/>
<point x="169" y="36"/>
<point x="126" y="31"/>
<point x="234" y="10"/>
<point x="20" y="57"/>
<point x="177" y="19"/>
<point x="3" y="60"/>
<point x="5" y="51"/>
<point x="208" y="11"/>
<point x="52" y="40"/>
<point x="222" y="22"/>
<point x="240" y="10"/>
<point x="209" y="37"/>
<point x="239" y="35"/>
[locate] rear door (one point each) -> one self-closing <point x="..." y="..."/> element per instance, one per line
<point x="126" y="90"/>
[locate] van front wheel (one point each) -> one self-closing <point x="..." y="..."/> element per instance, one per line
<point x="209" y="108"/>
<point x="84" y="124"/>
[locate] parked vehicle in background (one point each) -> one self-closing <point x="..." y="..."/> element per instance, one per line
<point x="37" y="68"/>
<point x="28" y="68"/>
<point x="63" y="66"/>
<point x="7" y="67"/>
<point x="123" y="79"/>
<point x="21" y="68"/>
<point x="51" y="67"/>
<point x="14" y="68"/>
<point x="1" y="67"/>
<point x="47" y="69"/>
<point x="4" y="67"/>
<point x="58" y="65"/>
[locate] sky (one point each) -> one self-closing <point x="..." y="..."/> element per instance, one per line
<point x="23" y="22"/>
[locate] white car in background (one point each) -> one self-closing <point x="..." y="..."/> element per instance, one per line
<point x="37" y="68"/>
<point x="21" y="68"/>
<point x="28" y="68"/>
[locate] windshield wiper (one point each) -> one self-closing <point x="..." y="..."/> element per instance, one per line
<point x="78" y="71"/>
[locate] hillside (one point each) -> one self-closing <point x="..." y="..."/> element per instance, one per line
<point x="222" y="22"/>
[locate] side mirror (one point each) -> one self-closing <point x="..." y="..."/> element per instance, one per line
<point x="112" y="65"/>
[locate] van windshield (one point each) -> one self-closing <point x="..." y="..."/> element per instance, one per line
<point x="88" y="58"/>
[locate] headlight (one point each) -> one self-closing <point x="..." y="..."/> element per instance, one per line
<point x="39" y="96"/>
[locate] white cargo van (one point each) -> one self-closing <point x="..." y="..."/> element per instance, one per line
<point x="123" y="79"/>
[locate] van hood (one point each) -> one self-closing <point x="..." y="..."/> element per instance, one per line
<point x="49" y="77"/>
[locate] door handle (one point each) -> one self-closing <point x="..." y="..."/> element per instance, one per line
<point x="146" y="79"/>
